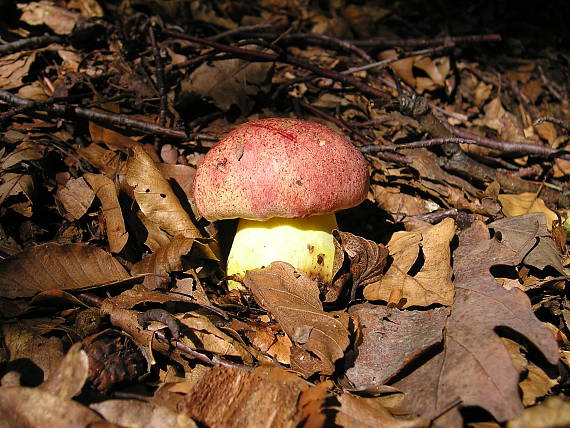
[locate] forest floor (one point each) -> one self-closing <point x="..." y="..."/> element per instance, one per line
<point x="448" y="306"/>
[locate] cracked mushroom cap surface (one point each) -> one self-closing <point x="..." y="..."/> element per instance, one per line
<point x="280" y="168"/>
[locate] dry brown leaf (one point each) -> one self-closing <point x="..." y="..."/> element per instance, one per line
<point x="475" y="368"/>
<point x="403" y="68"/>
<point x="155" y="197"/>
<point x="75" y="197"/>
<point x="25" y="151"/>
<point x="389" y="339"/>
<point x="535" y="385"/>
<point x="14" y="184"/>
<point x="367" y="258"/>
<point x="112" y="139"/>
<point x="60" y="20"/>
<point x="135" y="413"/>
<point x="68" y="380"/>
<point x="182" y="174"/>
<point x="232" y="398"/>
<point x="553" y="412"/>
<point x="14" y="68"/>
<point x="33" y="407"/>
<point x="55" y="267"/>
<point x="170" y="258"/>
<point x="106" y="191"/>
<point x="293" y="300"/>
<point x="24" y="341"/>
<point x="105" y="160"/>
<point x="527" y="235"/>
<point x="420" y="273"/>
<point x="228" y="82"/>
<point x="207" y="337"/>
<point x="525" y="203"/>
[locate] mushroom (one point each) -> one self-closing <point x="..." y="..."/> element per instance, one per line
<point x="284" y="179"/>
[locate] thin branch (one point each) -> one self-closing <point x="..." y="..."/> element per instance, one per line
<point x="109" y="119"/>
<point x="558" y="122"/>
<point x="29" y="43"/>
<point x="459" y="40"/>
<point x="160" y="80"/>
<point x="285" y="58"/>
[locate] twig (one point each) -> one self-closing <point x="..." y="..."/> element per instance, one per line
<point x="29" y="43"/>
<point x="384" y="43"/>
<point x="160" y="80"/>
<point x="285" y="58"/>
<point x="558" y="122"/>
<point x="113" y="119"/>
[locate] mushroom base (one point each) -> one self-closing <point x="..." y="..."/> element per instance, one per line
<point x="306" y="243"/>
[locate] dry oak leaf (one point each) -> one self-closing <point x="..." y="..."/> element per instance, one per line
<point x="474" y="368"/>
<point x="171" y="258"/>
<point x="405" y="284"/>
<point x="293" y="300"/>
<point x="59" y="19"/>
<point x="525" y="203"/>
<point x="106" y="191"/>
<point x="57" y="267"/>
<point x="528" y="235"/>
<point x="33" y="407"/>
<point x="319" y="405"/>
<point x="232" y="398"/>
<point x="552" y="412"/>
<point x="367" y="258"/>
<point x="155" y="197"/>
<point x="389" y="340"/>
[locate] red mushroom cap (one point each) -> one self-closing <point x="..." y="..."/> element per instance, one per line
<point x="280" y="168"/>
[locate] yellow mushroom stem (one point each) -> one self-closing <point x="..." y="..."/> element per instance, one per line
<point x="306" y="243"/>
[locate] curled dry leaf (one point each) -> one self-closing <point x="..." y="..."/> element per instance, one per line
<point x="293" y="300"/>
<point x="420" y="273"/>
<point x="228" y="397"/>
<point x="367" y="258"/>
<point x="475" y="368"/>
<point x="106" y="191"/>
<point x="14" y="68"/>
<point x="34" y="407"/>
<point x="525" y="203"/>
<point x="528" y="235"/>
<point x="75" y="197"/>
<point x="68" y="380"/>
<point x="552" y="412"/>
<point x="56" y="267"/>
<point x="170" y="259"/>
<point x="156" y="199"/>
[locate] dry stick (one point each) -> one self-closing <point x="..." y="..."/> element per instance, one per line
<point x="29" y="43"/>
<point x="553" y="120"/>
<point x="113" y="119"/>
<point x="288" y="59"/>
<point x="380" y="43"/>
<point x="160" y="80"/>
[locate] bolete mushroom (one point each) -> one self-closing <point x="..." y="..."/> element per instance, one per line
<point x="284" y="179"/>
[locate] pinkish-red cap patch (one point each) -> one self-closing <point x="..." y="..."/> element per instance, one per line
<point x="280" y="168"/>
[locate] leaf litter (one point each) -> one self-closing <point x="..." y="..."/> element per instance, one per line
<point x="448" y="306"/>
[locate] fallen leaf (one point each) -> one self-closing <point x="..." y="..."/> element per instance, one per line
<point x="525" y="203"/>
<point x="528" y="236"/>
<point x="474" y="368"/>
<point x="135" y="413"/>
<point x="170" y="258"/>
<point x="232" y="398"/>
<point x="552" y="412"/>
<point x="228" y="82"/>
<point x="57" y="267"/>
<point x="14" y="68"/>
<point x="106" y="192"/>
<point x="59" y="19"/>
<point x="69" y="378"/>
<point x="14" y="184"/>
<point x="293" y="300"/>
<point x="389" y="340"/>
<point x="420" y="273"/>
<point x="155" y="197"/>
<point x="33" y="407"/>
<point x="75" y="197"/>
<point x="367" y="258"/>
